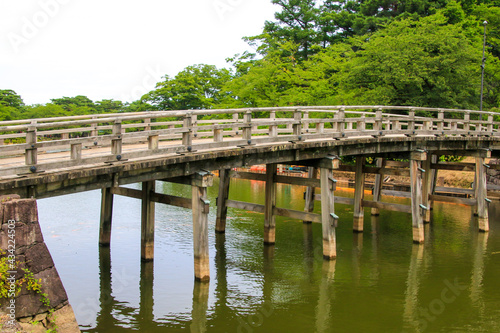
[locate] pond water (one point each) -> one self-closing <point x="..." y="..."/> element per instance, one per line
<point x="380" y="281"/>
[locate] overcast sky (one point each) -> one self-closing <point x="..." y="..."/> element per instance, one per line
<point x="117" y="49"/>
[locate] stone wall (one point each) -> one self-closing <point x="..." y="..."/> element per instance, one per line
<point x="493" y="176"/>
<point x="22" y="239"/>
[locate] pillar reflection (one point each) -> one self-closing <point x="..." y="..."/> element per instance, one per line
<point x="410" y="315"/>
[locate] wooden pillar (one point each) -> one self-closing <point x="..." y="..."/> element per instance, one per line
<point x="359" y="188"/>
<point x="224" y="181"/>
<point x="416" y="196"/>
<point x="269" y="218"/>
<point x="187" y="135"/>
<point x="153" y="141"/>
<point x="481" y="195"/>
<point x="31" y="153"/>
<point x="200" y="233"/>
<point x="427" y="187"/>
<point x="106" y="216"/>
<point x="328" y="218"/>
<point x="147" y="221"/>
<point x="309" y="194"/>
<point x="116" y="142"/>
<point x="377" y="188"/>
<point x="273" y="129"/>
<point x="76" y="151"/>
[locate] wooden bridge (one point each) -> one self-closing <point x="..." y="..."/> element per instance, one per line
<point x="56" y="156"/>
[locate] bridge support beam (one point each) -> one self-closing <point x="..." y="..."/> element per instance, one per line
<point x="224" y="181"/>
<point x="359" y="188"/>
<point x="427" y="187"/>
<point x="416" y="196"/>
<point x="200" y="233"/>
<point x="269" y="218"/>
<point x="147" y="221"/>
<point x="377" y="188"/>
<point x="106" y="216"/>
<point x="328" y="218"/>
<point x="481" y="195"/>
<point x="309" y="194"/>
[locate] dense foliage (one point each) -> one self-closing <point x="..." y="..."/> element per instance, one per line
<point x="393" y="52"/>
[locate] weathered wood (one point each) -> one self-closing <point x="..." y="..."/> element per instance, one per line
<point x="245" y="206"/>
<point x="377" y="187"/>
<point x="247" y="175"/>
<point x="270" y="203"/>
<point x="482" y="204"/>
<point x="387" y="206"/>
<point x="106" y="216"/>
<point x="147" y="221"/>
<point x="153" y="142"/>
<point x="200" y="233"/>
<point x="359" y="188"/>
<point x="116" y="143"/>
<point x="427" y="187"/>
<point x="416" y="201"/>
<point x="224" y="181"/>
<point x="309" y="194"/>
<point x="155" y="197"/>
<point x="328" y="220"/>
<point x="31" y="152"/>
<point x="200" y="179"/>
<point x="76" y="151"/>
<point x="455" y="200"/>
<point x="295" y="214"/>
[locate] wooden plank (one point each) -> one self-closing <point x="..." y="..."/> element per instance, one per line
<point x="200" y="179"/>
<point x="171" y="200"/>
<point x="460" y="201"/>
<point x="310" y="182"/>
<point x="245" y="206"/>
<point x="296" y="214"/>
<point x="387" y="206"/>
<point x="247" y="175"/>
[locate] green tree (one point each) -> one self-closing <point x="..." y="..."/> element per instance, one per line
<point x="196" y="87"/>
<point x="422" y="63"/>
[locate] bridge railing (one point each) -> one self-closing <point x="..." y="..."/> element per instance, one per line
<point x="80" y="140"/>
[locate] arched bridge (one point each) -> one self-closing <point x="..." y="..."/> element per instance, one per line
<point x="56" y="156"/>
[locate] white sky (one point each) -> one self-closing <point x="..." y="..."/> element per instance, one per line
<point x="117" y="49"/>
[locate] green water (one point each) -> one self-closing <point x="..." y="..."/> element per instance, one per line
<point x="380" y="281"/>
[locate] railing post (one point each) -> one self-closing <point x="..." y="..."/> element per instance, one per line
<point x="467" y="121"/>
<point x="187" y="134"/>
<point x="361" y="124"/>
<point x="273" y="129"/>
<point x="147" y="121"/>
<point x="31" y="153"/>
<point x="218" y="136"/>
<point x="305" y="126"/>
<point x="339" y="125"/>
<point x="236" y="120"/>
<point x="247" y="127"/>
<point x="116" y="142"/>
<point x="76" y="151"/>
<point x="297" y="126"/>
<point x="490" y="124"/>
<point x="411" y="122"/>
<point x="440" y="124"/>
<point x="378" y="120"/>
<point x="194" y="124"/>
<point x="320" y="128"/>
<point x="153" y="142"/>
<point x="94" y="131"/>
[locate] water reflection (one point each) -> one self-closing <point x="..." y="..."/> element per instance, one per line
<point x="379" y="282"/>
